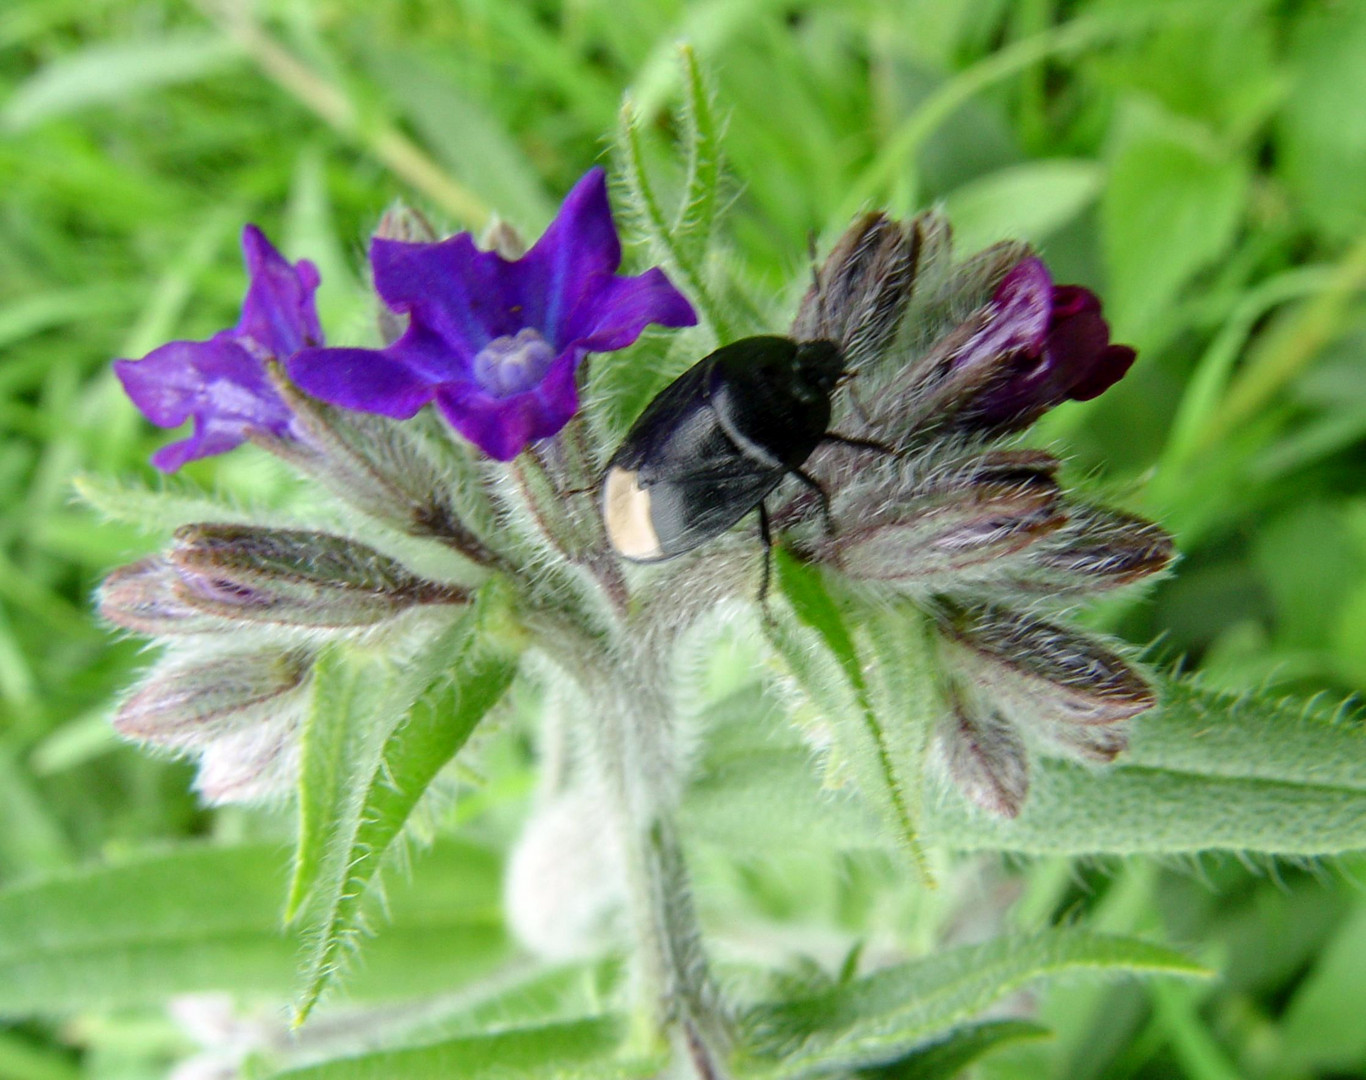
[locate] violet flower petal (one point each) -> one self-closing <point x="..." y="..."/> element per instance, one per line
<point x="497" y="342"/>
<point x="221" y="384"/>
<point x="1021" y="309"/>
<point x="367" y="380"/>
<point x="278" y="314"/>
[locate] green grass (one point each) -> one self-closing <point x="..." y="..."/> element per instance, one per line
<point x="1201" y="164"/>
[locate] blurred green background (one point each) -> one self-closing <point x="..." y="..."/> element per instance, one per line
<point x="1201" y="164"/>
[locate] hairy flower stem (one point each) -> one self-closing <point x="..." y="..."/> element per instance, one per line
<point x="636" y="753"/>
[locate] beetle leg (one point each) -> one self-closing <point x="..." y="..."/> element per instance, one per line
<point x="814" y="484"/>
<point x="766" y="535"/>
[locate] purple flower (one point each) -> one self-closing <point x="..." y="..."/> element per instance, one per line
<point x="1056" y="343"/>
<point x="222" y="383"/>
<point x="496" y="342"/>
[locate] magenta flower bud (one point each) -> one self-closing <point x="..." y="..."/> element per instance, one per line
<point x="1053" y="346"/>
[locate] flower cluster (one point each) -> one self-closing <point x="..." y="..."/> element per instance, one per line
<point x="953" y="359"/>
<point x="244" y="610"/>
<point x="926" y="496"/>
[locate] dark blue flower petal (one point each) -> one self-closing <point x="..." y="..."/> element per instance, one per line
<point x="495" y="341"/>
<point x="621" y="307"/>
<point x="574" y="259"/>
<point x="502" y="426"/>
<point x="367" y="380"/>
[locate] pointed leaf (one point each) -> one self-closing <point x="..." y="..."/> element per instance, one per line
<point x="682" y="262"/>
<point x="883" y="1015"/>
<point x="579" y="1050"/>
<point x="1205" y="771"/>
<point x="702" y="150"/>
<point x="372" y="749"/>
<point x="885" y="735"/>
<point x="947" y="1058"/>
<point x="199" y="918"/>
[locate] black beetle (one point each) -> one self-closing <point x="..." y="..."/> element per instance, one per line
<point x="716" y="441"/>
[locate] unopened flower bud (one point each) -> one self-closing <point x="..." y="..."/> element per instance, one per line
<point x="1042" y="672"/>
<point x="378" y="465"/>
<point x="402" y="222"/>
<point x="185" y="703"/>
<point x="1100" y="549"/>
<point x="258" y="762"/>
<point x="1099" y="744"/>
<point x="504" y="239"/>
<point x="973" y="522"/>
<point x="399" y="222"/>
<point x="997" y="368"/>
<point x="985" y="754"/>
<point x="295" y="577"/>
<point x="142" y="597"/>
<point x="861" y="290"/>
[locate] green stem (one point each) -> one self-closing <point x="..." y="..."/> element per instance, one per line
<point x="383" y="141"/>
<point x="638" y="761"/>
<point x="660" y="229"/>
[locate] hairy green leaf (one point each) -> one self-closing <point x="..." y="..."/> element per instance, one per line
<point x="949" y="1056"/>
<point x="883" y="737"/>
<point x="885" y="1014"/>
<point x="1205" y="771"/>
<point x="579" y="1050"/>
<point x="197" y="918"/>
<point x="702" y="154"/>
<point x="648" y="211"/>
<point x="365" y="789"/>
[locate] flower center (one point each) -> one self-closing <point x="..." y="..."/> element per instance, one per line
<point x="509" y="365"/>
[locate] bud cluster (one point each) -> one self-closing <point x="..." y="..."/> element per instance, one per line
<point x="951" y="361"/>
<point x="244" y="611"/>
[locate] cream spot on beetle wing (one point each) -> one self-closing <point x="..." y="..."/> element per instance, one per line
<point x="626" y="513"/>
